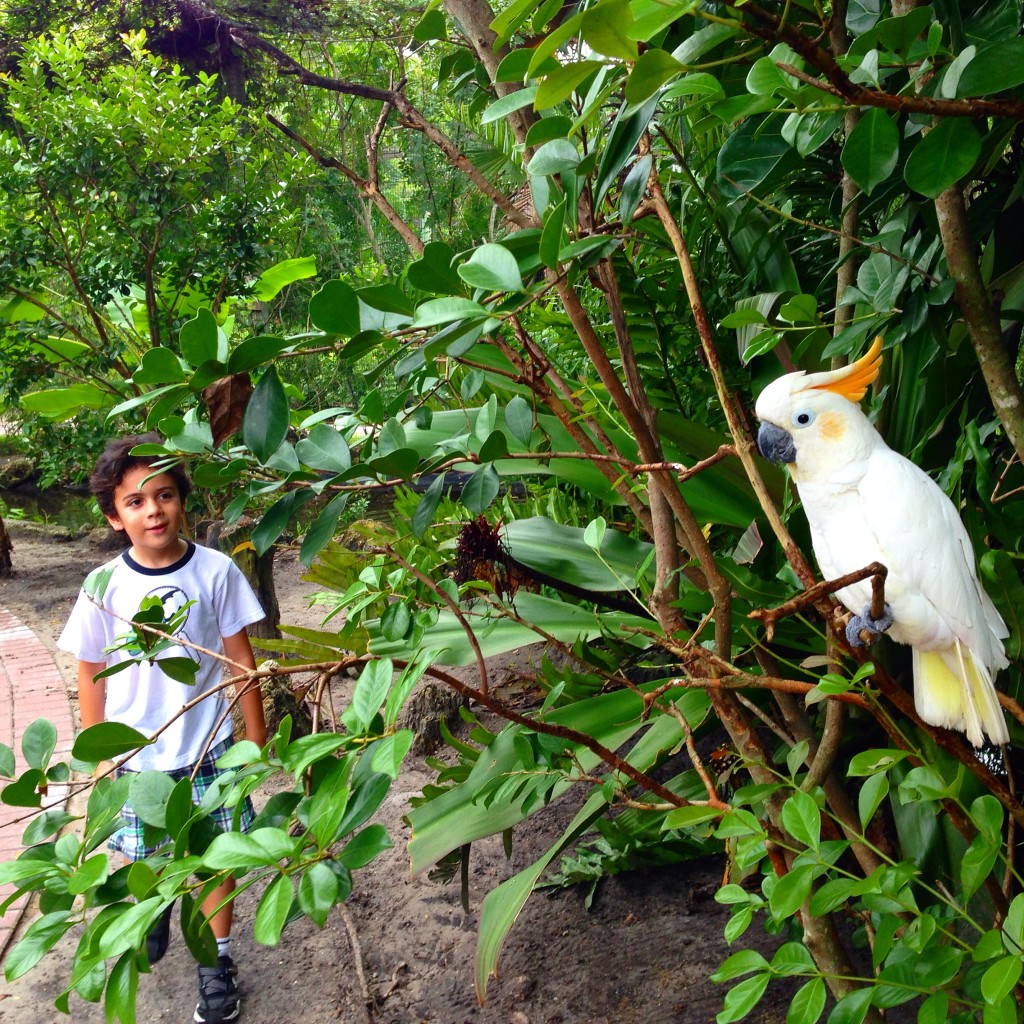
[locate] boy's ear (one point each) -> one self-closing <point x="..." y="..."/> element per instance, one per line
<point x="115" y="522"/>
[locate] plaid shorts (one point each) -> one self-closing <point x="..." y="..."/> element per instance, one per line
<point x="129" y="839"/>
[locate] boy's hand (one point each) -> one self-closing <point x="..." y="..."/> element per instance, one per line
<point x="257" y="735"/>
<point x="103" y="769"/>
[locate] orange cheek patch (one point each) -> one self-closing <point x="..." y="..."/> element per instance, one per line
<point x="831" y="426"/>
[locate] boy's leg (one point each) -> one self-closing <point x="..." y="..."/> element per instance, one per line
<point x="218" y="993"/>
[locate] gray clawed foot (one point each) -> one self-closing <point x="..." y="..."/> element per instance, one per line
<point x="859" y="623"/>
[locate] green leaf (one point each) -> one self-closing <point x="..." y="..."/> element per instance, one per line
<point x="752" y="154"/>
<point x="868" y="762"/>
<point x="743" y="961"/>
<point x="627" y="130"/>
<point x="364" y="846"/>
<point x="433" y="271"/>
<point x="872" y="149"/>
<point x="122" y="988"/>
<point x="494" y="447"/>
<point x="38" y="742"/>
<point x="335" y="309"/>
<point x="275" y="520"/>
<point x="509" y="104"/>
<point x="634" y="187"/>
<point x="45" y="825"/>
<point x="107" y="740"/>
<point x="790" y="892"/>
<point x="89" y="874"/>
<point x="265" y="422"/>
<point x="654" y="68"/>
<point x="555" y="157"/>
<point x="40" y="937"/>
<point x="322" y="531"/>
<point x="255" y="352"/>
<point x="62" y="403"/>
<point x="604" y="29"/>
<point x="389" y="752"/>
<point x="481" y="490"/>
<point x="423" y="517"/>
<point x="318" y="892"/>
<point x="872" y="793"/>
<point x="443" y="311"/>
<point x="742" y="998"/>
<point x="371" y="690"/>
<point x="200" y="339"/>
<point x="519" y="419"/>
<point x="999" y="980"/>
<point x="943" y="156"/>
<point x="395" y="622"/>
<point x="994" y="69"/>
<point x="431" y="26"/>
<point x="802" y="819"/>
<point x="269" y="284"/>
<point x="324" y="449"/>
<point x="553" y="235"/>
<point x="260" y="848"/>
<point x="272" y="912"/>
<point x="159" y="366"/>
<point x="181" y="670"/>
<point x="493" y="268"/>
<point x="852" y="1008"/>
<point x="808" y="1004"/>
<point x="6" y="762"/>
<point x="148" y="794"/>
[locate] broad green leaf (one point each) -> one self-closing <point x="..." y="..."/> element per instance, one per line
<point x="1000" y="979"/>
<point x="272" y="912"/>
<point x="89" y="874"/>
<point x="654" y="68"/>
<point x="509" y="104"/>
<point x="808" y="1004"/>
<point x="254" y="352"/>
<point x="790" y="892"/>
<point x="389" y="752"/>
<point x="994" y="69"/>
<point x="634" y="187"/>
<point x="159" y="366"/>
<point x="431" y="26"/>
<point x="200" y="339"/>
<point x="555" y="157"/>
<point x="335" y="309"/>
<point x="872" y="149"/>
<point x="943" y="156"/>
<point x="63" y="403"/>
<point x="604" y="28"/>
<point x="519" y="419"/>
<point x="149" y="793"/>
<point x="443" y="311"/>
<point x="493" y="268"/>
<point x="553" y="235"/>
<point x="751" y="154"/>
<point x="433" y="271"/>
<point x="322" y="531"/>
<point x="742" y="998"/>
<point x="852" y="1008"/>
<point x="38" y="742"/>
<point x="627" y="130"/>
<point x="275" y="520"/>
<point x="424" y="514"/>
<point x="107" y="740"/>
<point x="265" y="422"/>
<point x="40" y="936"/>
<point x="269" y="284"/>
<point x="324" y="449"/>
<point x="364" y="846"/>
<point x="802" y="819"/>
<point x="6" y="761"/>
<point x="481" y="490"/>
<point x="318" y="892"/>
<point x="261" y="847"/>
<point x="371" y="690"/>
<point x="743" y="961"/>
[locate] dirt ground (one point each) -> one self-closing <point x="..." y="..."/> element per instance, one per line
<point x="642" y="954"/>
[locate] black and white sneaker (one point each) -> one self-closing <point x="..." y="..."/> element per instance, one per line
<point x="218" y="993"/>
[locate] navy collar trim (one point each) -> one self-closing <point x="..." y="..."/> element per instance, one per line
<point x="166" y="570"/>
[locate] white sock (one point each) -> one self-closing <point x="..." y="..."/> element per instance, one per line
<point x="223" y="946"/>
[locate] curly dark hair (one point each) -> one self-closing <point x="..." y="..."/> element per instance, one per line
<point x="117" y="460"/>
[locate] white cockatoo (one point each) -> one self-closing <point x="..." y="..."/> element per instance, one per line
<point x="866" y="503"/>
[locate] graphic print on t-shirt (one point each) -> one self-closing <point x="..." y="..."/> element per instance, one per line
<point x="173" y="599"/>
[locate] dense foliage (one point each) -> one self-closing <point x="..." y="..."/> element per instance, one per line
<point x="687" y="199"/>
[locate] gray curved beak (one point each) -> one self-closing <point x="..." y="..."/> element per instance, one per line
<point x="775" y="444"/>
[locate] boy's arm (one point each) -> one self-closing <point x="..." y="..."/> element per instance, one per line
<point x="91" y="695"/>
<point x="92" y="698"/>
<point x="239" y="650"/>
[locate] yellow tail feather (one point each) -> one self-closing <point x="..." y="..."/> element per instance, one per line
<point x="953" y="690"/>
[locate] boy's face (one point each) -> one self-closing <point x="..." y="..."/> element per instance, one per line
<point x="149" y="511"/>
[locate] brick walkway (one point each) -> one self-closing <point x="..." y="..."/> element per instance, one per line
<point x="31" y="687"/>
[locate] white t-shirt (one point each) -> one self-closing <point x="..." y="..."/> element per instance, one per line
<point x="143" y="696"/>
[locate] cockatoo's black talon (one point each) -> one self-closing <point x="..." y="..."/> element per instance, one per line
<point x="858" y="624"/>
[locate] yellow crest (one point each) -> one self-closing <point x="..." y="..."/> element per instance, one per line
<point x="853" y="381"/>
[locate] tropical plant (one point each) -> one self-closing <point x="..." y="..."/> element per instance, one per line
<point x="807" y="177"/>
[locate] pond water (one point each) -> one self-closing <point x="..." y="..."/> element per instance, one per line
<point x="59" y="506"/>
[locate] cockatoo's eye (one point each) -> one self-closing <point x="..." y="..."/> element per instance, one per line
<point x="803" y="418"/>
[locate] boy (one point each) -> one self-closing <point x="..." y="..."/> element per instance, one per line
<point x="147" y="505"/>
